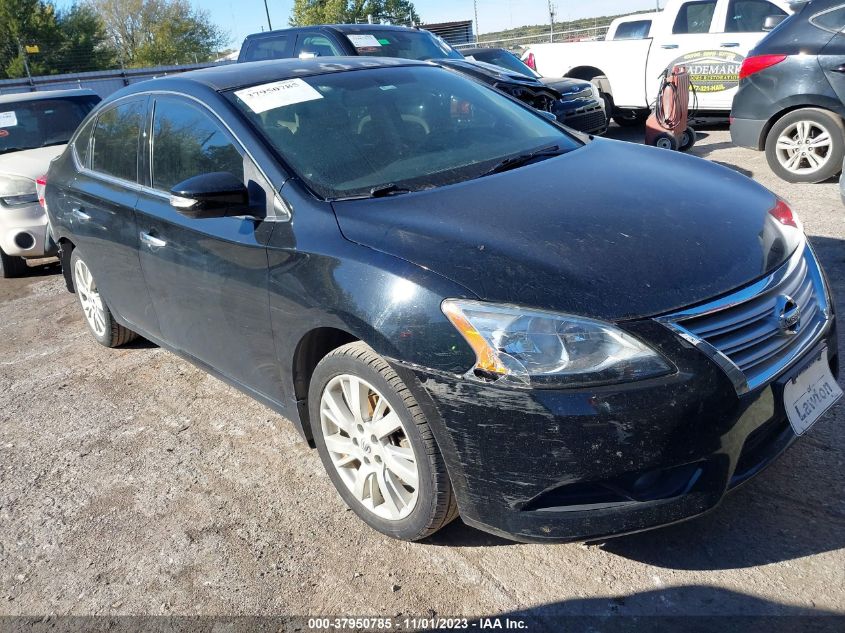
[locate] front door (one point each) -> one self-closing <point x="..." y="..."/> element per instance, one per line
<point x="711" y="38"/>
<point x="207" y="277"/>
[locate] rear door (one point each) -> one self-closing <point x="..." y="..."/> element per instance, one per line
<point x="99" y="207"/>
<point x="207" y="277"/>
<point x="711" y="38"/>
<point x="832" y="57"/>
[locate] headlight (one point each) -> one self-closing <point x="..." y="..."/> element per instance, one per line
<point x="17" y="191"/>
<point x="534" y="347"/>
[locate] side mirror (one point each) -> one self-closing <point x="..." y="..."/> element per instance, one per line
<point x="772" y="21"/>
<point x="214" y="195"/>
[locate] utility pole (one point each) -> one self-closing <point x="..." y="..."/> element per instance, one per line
<point x="475" y="8"/>
<point x="267" y="11"/>
<point x="552" y="14"/>
<point x="23" y="54"/>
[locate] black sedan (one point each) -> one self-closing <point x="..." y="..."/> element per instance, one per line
<point x="420" y="273"/>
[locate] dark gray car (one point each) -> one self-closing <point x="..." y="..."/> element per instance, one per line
<point x="790" y="98"/>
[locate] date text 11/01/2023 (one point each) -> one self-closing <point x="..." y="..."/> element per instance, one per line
<point x="415" y="624"/>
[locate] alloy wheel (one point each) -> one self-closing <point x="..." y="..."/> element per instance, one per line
<point x="89" y="297"/>
<point x="369" y="447"/>
<point x="804" y="147"/>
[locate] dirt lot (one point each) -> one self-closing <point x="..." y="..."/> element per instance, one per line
<point x="133" y="483"/>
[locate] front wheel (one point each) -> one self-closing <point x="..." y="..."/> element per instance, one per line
<point x="11" y="266"/>
<point x="100" y="321"/>
<point x="376" y="445"/>
<point x="806" y="145"/>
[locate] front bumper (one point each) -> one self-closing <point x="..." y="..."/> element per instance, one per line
<point x="566" y="465"/>
<point x="24" y="231"/>
<point x="748" y="133"/>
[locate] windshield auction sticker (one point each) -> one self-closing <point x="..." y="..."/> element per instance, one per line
<point x="277" y="94"/>
<point x="713" y="70"/>
<point x="8" y="119"/>
<point x="360" y="40"/>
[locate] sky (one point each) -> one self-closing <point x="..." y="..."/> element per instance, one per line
<point x="241" y="17"/>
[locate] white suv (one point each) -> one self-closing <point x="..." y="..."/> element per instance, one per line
<point x="34" y="129"/>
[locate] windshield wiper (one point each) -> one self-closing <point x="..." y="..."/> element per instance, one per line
<point x="391" y="189"/>
<point x="517" y="161"/>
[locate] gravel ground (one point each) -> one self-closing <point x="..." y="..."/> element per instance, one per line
<point x="133" y="483"/>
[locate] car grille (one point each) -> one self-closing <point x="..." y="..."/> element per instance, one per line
<point x="743" y="332"/>
<point x="586" y="120"/>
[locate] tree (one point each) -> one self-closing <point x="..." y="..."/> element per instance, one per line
<point x="24" y="23"/>
<point x="156" y="32"/>
<point x="306" y="12"/>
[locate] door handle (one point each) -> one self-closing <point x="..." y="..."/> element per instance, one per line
<point x="839" y="69"/>
<point x="730" y="44"/>
<point x="152" y="241"/>
<point x="80" y="215"/>
<point x="669" y="46"/>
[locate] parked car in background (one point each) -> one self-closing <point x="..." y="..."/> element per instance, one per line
<point x="34" y="128"/>
<point x="791" y="91"/>
<point x="579" y="107"/>
<point x="631" y="27"/>
<point x="392" y="41"/>
<point x="709" y="37"/>
<point x="423" y="274"/>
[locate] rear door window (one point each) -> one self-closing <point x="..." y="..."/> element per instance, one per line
<point x="187" y="142"/>
<point x="114" y="146"/>
<point x="633" y="30"/>
<point x="694" y="17"/>
<point x="315" y="45"/>
<point x="271" y="47"/>
<point x="832" y="20"/>
<point x="749" y="16"/>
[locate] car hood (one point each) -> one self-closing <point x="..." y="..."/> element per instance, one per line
<point x="612" y="230"/>
<point x="29" y="163"/>
<point x="566" y="86"/>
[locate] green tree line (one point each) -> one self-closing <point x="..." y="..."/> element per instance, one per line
<point x="103" y="34"/>
<point x="307" y="12"/>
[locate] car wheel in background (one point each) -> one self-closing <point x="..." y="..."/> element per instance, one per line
<point x="806" y="145"/>
<point x="376" y="445"/>
<point x="11" y="266"/>
<point x="630" y="118"/>
<point x="100" y="321"/>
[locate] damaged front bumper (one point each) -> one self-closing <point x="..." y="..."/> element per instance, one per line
<point x="546" y="465"/>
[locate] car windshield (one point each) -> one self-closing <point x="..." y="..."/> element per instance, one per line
<point x="418" y="45"/>
<point x="351" y="134"/>
<point x="31" y="124"/>
<point x="504" y="59"/>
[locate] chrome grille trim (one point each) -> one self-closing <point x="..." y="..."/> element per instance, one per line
<point x="740" y="332"/>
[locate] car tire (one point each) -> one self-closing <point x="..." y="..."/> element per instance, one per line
<point x="630" y="118"/>
<point x="806" y="146"/>
<point x="11" y="266"/>
<point x="376" y="478"/>
<point x="99" y="318"/>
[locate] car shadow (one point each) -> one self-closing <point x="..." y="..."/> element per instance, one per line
<point x="459" y="534"/>
<point x="689" y="608"/>
<point x="43" y="268"/>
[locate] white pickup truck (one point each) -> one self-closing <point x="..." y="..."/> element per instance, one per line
<point x="710" y="37"/>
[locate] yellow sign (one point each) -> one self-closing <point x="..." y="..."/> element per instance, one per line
<point x="32" y="49"/>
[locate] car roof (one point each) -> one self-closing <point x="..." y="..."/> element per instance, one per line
<point x="230" y="76"/>
<point x="46" y="94"/>
<point x="342" y="28"/>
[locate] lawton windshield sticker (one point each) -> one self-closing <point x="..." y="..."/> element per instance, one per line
<point x="277" y="94"/>
<point x="713" y="70"/>
<point x="8" y="119"/>
<point x="364" y="40"/>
